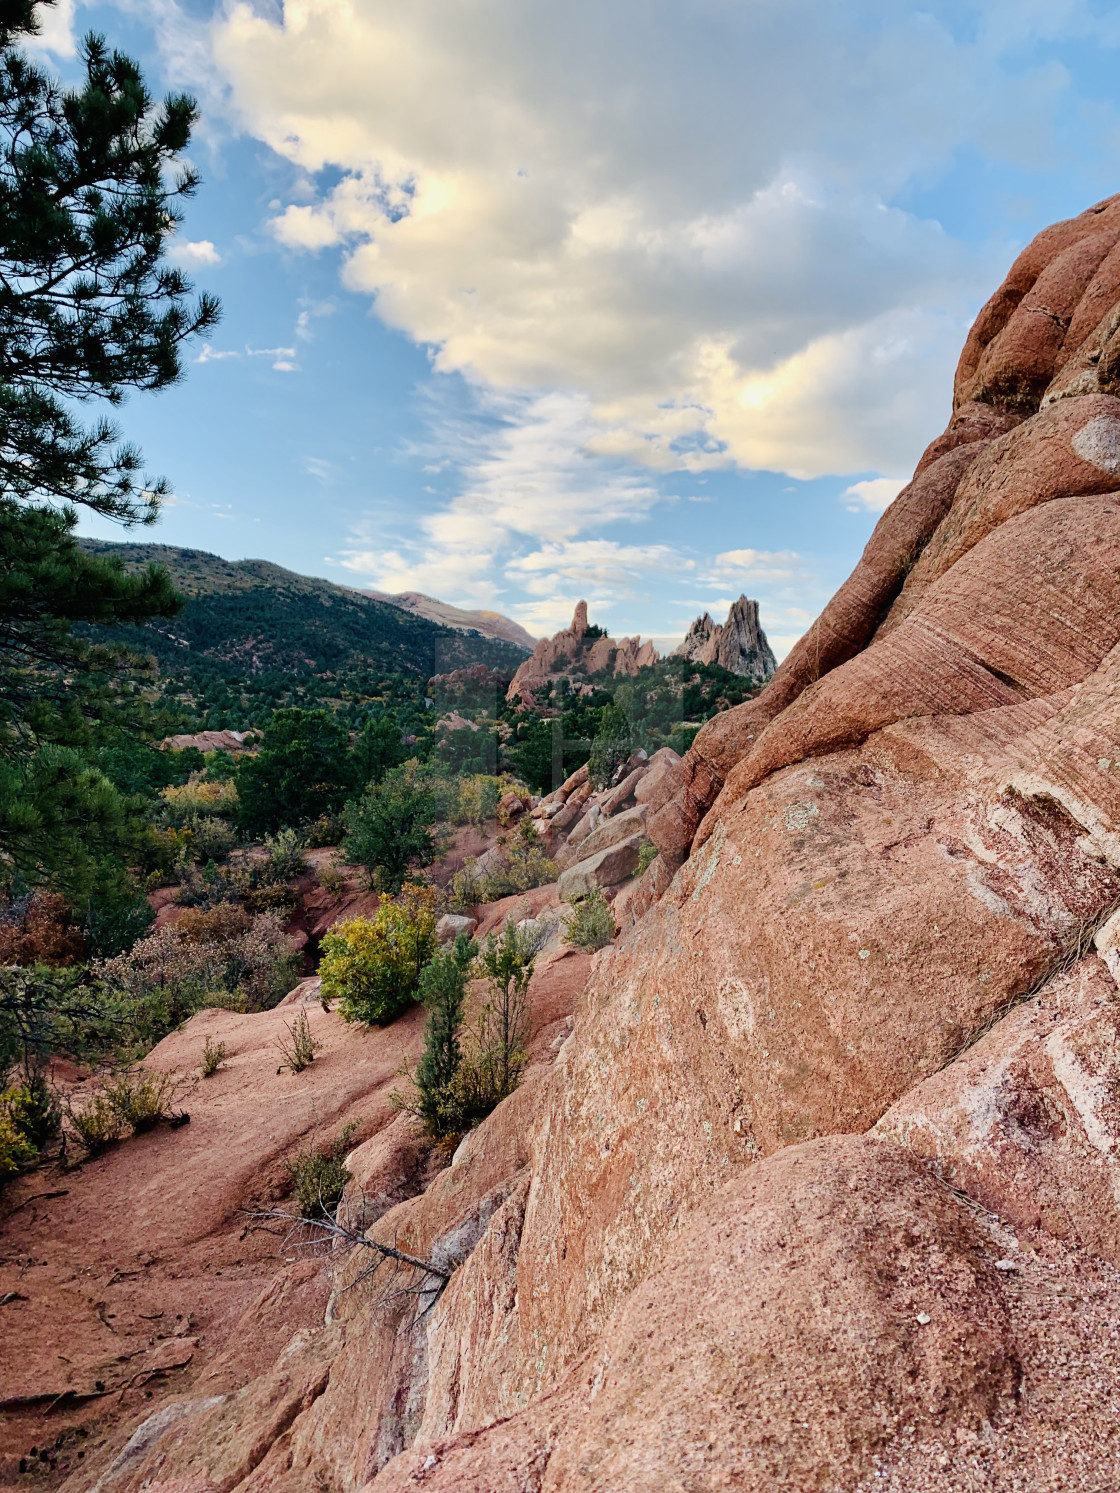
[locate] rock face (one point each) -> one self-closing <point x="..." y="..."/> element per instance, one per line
<point x="573" y="651"/>
<point x="819" y="1192"/>
<point x="739" y="645"/>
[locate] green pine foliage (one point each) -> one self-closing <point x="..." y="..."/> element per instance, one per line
<point x="304" y="770"/>
<point x="91" y="185"/>
<point x="443" y="989"/>
<point x="389" y="829"/>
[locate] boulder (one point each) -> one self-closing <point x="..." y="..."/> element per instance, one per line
<point x="583" y="826"/>
<point x="649" y="785"/>
<point x="573" y="807"/>
<point x="452" y="924"/>
<point x="605" y="868"/>
<point x="625" y="790"/>
<point x="1027" y="1122"/>
<point x="610" y="831"/>
<point x="511" y="806"/>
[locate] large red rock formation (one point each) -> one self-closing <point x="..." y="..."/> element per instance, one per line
<point x="571" y="650"/>
<point x="819" y="1192"/>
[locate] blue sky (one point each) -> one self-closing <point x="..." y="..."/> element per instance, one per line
<point x="648" y="303"/>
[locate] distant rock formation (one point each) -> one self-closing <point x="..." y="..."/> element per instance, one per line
<point x="573" y="652"/>
<point x="739" y="646"/>
<point x="489" y="624"/>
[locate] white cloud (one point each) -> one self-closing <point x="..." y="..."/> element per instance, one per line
<point x="750" y="567"/>
<point x="529" y="489"/>
<point x="215" y="354"/>
<point x="875" y="495"/>
<point x="56" y="30"/>
<point x="195" y="254"/>
<point x="684" y="214"/>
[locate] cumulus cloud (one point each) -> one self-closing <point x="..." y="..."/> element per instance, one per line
<point x="196" y="254"/>
<point x="750" y="567"/>
<point x="56" y="29"/>
<point x="528" y="488"/>
<point x="683" y="213"/>
<point x="661" y="237"/>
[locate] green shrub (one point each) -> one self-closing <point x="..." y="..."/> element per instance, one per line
<point x="198" y="799"/>
<point x="389" y="829"/>
<point x="331" y="880"/>
<point x="275" y="897"/>
<point x="96" y="1122"/>
<point x="523" y="865"/>
<point x="213" y="1056"/>
<point x="478" y="798"/>
<point x="16" y="1151"/>
<point x="212" y="838"/>
<point x="33" y="1108"/>
<point x="28" y="1120"/>
<point x="283" y="857"/>
<point x="300" y="1047"/>
<point x="463" y="1075"/>
<point x="647" y="854"/>
<point x="590" y="924"/>
<point x="372" y="966"/>
<point x="328" y="829"/>
<point x="443" y="988"/>
<point x="502" y="1031"/>
<point x="215" y="957"/>
<point x="319" y="1177"/>
<point x="467" y="887"/>
<point x="141" y="1098"/>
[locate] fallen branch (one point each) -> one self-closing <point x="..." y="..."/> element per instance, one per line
<point x="329" y="1229"/>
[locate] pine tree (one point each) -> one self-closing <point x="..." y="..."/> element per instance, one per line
<point x="90" y="192"/>
<point x="443" y="988"/>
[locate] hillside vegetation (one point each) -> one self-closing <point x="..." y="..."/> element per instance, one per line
<point x="253" y="636"/>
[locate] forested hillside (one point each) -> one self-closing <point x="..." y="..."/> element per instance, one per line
<point x="253" y="636"/>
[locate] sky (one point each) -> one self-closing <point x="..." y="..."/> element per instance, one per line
<point x="649" y="303"/>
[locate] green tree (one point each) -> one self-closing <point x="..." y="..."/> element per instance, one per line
<point x="611" y="747"/>
<point x="443" y="988"/>
<point x="378" y="748"/>
<point x="90" y="187"/>
<point x="303" y="770"/>
<point x="389" y="829"/>
<point x="91" y="180"/>
<point x="503" y="1033"/>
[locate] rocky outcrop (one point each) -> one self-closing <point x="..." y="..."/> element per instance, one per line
<point x="738" y="645"/>
<point x="572" y="651"/>
<point x="208" y="741"/>
<point x="818" y="1193"/>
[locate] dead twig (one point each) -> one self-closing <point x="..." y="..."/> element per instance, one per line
<point x="326" y="1230"/>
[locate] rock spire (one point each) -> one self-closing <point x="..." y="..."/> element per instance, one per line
<point x="739" y="645"/>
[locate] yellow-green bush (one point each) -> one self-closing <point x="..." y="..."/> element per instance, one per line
<point x="478" y="798"/>
<point x="372" y="966"/>
<point x="17" y="1151"/>
<point x="198" y="798"/>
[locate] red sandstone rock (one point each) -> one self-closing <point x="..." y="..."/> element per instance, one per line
<point x="570" y="649"/>
<point x="1028" y="1120"/>
<point x="674" y="1265"/>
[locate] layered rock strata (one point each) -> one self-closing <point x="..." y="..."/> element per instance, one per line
<point x="819" y="1194"/>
